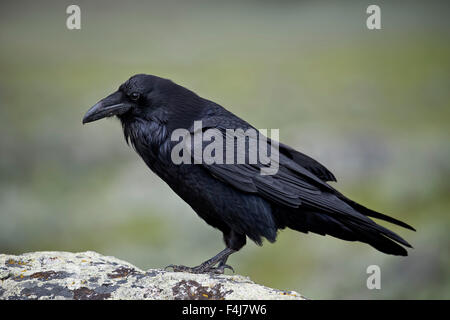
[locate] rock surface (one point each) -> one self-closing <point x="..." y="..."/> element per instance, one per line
<point x="91" y="276"/>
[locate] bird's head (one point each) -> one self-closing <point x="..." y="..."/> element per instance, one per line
<point x="136" y="97"/>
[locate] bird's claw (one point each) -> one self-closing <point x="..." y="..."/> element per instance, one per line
<point x="181" y="268"/>
<point x="221" y="268"/>
<point x="200" y="269"/>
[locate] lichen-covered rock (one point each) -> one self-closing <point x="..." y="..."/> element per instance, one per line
<point x="89" y="275"/>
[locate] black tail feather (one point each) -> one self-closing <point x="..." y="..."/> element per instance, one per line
<point x="346" y="228"/>
<point x="374" y="214"/>
<point x="380" y="238"/>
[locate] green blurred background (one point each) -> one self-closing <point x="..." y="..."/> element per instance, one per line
<point x="373" y="106"/>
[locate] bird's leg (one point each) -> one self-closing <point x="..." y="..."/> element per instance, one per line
<point x="208" y="265"/>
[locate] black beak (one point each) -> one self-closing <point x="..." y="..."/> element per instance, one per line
<point x="112" y="105"/>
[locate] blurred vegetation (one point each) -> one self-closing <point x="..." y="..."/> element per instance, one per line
<point x="373" y="106"/>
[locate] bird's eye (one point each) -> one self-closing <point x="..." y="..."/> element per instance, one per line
<point x="134" y="96"/>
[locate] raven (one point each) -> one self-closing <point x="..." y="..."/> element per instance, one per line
<point x="236" y="198"/>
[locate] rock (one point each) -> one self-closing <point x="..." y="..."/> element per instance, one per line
<point x="92" y="276"/>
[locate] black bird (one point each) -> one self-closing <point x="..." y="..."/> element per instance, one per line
<point x="236" y="198"/>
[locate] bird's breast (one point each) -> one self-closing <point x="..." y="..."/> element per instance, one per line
<point x="151" y="141"/>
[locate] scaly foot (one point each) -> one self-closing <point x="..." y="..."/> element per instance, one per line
<point x="203" y="268"/>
